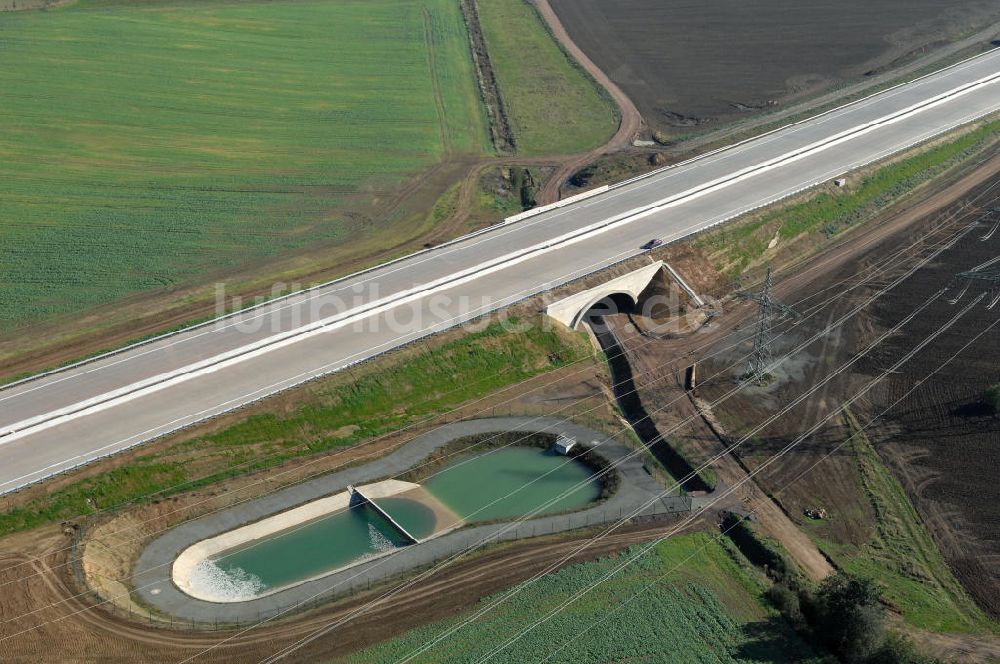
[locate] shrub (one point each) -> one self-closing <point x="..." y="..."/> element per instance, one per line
<point x="899" y="650"/>
<point x="786" y="601"/>
<point x="583" y="177"/>
<point x="992" y="399"/>
<point x="850" y="619"/>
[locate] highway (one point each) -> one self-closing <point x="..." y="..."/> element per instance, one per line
<point x="66" y="418"/>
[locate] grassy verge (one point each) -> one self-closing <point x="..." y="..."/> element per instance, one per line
<point x="340" y="411"/>
<point x="703" y="603"/>
<point x="446" y="206"/>
<point x="146" y="145"/>
<point x="902" y="556"/>
<point x="554" y="106"/>
<point x="828" y="213"/>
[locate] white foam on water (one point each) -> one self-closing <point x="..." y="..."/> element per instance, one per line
<point x="233" y="585"/>
<point x="379" y="541"/>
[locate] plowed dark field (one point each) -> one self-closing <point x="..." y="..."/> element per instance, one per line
<point x="941" y="441"/>
<point x="690" y="63"/>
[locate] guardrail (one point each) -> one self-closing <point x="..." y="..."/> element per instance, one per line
<point x="590" y="193"/>
<point x="927" y="136"/>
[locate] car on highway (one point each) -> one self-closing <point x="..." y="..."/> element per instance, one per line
<point x="652" y="244"/>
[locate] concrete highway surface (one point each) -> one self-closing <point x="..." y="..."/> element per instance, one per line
<point x="66" y="418"/>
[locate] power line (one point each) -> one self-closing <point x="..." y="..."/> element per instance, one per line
<point x="750" y="476"/>
<point x="832" y="325"/>
<point x="768" y="309"/>
<point x="921" y="263"/>
<point x="747" y="436"/>
<point x="993" y="213"/>
<point x="812" y="467"/>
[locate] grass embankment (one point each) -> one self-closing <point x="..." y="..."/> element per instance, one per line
<point x="902" y="556"/>
<point x="705" y="603"/>
<point x="826" y="214"/>
<point x="147" y="144"/>
<point x="339" y="411"/>
<point x="554" y="107"/>
<point x="693" y="454"/>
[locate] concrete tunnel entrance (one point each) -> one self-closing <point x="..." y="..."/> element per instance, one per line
<point x="570" y="310"/>
<point x="610" y="305"/>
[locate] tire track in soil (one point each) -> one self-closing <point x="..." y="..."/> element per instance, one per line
<point x="565" y="165"/>
<point x="464" y="583"/>
<point x="446" y="143"/>
<point x="445" y="594"/>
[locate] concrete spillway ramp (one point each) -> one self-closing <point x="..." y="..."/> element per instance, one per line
<point x="227" y="567"/>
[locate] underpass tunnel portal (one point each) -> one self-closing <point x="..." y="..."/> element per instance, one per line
<point x="609" y="305"/>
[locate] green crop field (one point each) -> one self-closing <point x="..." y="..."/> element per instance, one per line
<point x="704" y="605"/>
<point x="149" y="144"/>
<point x="553" y="106"/>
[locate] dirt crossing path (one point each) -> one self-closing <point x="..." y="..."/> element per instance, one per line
<point x="82" y="634"/>
<point x="630" y="123"/>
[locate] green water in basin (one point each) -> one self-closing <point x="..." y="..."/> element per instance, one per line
<point x="416" y="518"/>
<point x="309" y="550"/>
<point x="512" y="482"/>
<point x="501" y="484"/>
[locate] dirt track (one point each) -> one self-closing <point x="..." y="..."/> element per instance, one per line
<point x="146" y="314"/>
<point x="647" y="359"/>
<point x="151" y="314"/>
<point x="689" y="65"/>
<point x="73" y="633"/>
<point x="934" y="444"/>
<point x="630" y="124"/>
<point x="93" y="635"/>
<point x="935" y="441"/>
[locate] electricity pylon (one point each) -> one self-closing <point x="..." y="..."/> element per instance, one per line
<point x="769" y="310"/>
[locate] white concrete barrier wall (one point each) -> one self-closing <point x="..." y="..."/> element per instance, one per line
<point x="558" y="204"/>
<point x="568" y="310"/>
